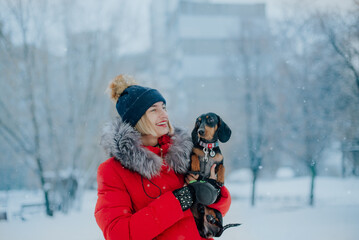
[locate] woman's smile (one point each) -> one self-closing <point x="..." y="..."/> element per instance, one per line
<point x="162" y="124"/>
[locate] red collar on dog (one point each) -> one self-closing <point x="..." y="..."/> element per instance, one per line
<point x="209" y="145"/>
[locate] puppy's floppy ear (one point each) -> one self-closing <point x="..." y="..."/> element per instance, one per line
<point x="194" y="133"/>
<point x="224" y="132"/>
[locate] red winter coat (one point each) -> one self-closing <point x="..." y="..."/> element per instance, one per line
<point x="135" y="199"/>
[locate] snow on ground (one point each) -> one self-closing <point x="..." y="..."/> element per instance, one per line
<point x="77" y="225"/>
<point x="281" y="213"/>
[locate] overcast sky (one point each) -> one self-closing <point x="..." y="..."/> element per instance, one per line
<point x="93" y="15"/>
<point x="279" y="8"/>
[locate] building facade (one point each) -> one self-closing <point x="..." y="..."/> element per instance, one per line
<point x="194" y="44"/>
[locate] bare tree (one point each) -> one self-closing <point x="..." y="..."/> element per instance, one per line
<point x="21" y="13"/>
<point x="312" y="72"/>
<point x="57" y="124"/>
<point x="342" y="33"/>
<point x="253" y="48"/>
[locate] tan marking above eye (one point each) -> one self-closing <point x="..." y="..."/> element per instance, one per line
<point x="207" y="116"/>
<point x="199" y="119"/>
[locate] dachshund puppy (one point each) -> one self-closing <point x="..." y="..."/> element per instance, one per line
<point x="209" y="129"/>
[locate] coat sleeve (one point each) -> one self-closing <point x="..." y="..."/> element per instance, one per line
<point x="115" y="215"/>
<point x="224" y="201"/>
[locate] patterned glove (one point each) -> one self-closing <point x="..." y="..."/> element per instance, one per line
<point x="185" y="196"/>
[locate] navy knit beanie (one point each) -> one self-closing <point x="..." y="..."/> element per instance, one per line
<point x="134" y="102"/>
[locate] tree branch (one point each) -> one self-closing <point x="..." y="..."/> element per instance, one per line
<point x="14" y="137"/>
<point x="333" y="41"/>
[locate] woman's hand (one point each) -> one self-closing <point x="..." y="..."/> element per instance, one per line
<point x="192" y="177"/>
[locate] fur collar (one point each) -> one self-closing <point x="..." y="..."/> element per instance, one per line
<point x="122" y="141"/>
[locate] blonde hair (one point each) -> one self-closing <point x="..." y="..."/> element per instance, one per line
<point x="145" y="127"/>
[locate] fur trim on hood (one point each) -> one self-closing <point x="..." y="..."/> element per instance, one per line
<point x="123" y="142"/>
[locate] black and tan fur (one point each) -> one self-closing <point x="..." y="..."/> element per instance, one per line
<point x="209" y="128"/>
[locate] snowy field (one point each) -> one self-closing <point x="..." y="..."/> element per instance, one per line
<point x="281" y="213"/>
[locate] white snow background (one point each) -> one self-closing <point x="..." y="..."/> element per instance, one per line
<point x="281" y="213"/>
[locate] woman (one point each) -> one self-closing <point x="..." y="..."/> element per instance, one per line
<point x="141" y="192"/>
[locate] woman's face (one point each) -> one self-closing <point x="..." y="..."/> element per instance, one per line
<point x="157" y="115"/>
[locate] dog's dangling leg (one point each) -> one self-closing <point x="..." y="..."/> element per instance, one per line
<point x="220" y="174"/>
<point x="195" y="164"/>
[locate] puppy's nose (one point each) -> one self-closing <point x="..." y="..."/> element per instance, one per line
<point x="201" y="132"/>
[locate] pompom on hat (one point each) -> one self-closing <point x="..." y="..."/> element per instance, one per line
<point x="132" y="100"/>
